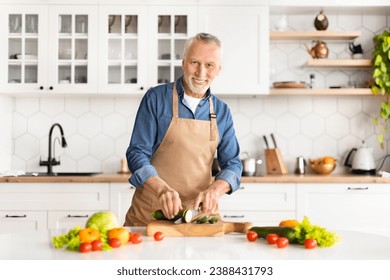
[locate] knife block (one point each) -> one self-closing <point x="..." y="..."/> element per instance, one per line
<point x="274" y="161"/>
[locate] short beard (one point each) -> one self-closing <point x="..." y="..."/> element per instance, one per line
<point x="194" y="89"/>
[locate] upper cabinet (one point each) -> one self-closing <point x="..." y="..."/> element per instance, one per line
<point x="122" y="49"/>
<point x="141" y="46"/>
<point x="244" y="32"/>
<point x="48" y="49"/>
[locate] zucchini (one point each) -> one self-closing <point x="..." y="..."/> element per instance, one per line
<point x="159" y="215"/>
<point x="287" y="232"/>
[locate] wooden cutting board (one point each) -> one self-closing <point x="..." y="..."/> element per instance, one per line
<point x="190" y="229"/>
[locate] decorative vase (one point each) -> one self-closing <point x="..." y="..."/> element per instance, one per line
<point x="321" y="21"/>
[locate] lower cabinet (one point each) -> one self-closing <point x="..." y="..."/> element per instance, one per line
<point x="358" y="207"/>
<point x="16" y="221"/>
<point x="36" y="206"/>
<point x="121" y="195"/>
<point x="261" y="204"/>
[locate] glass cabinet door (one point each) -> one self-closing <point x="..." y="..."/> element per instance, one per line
<point x="123" y="32"/>
<point x="172" y="35"/>
<point x="170" y="29"/>
<point x="73" y="49"/>
<point x="22" y="36"/>
<point x="122" y="52"/>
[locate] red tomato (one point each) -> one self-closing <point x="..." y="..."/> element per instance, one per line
<point x="158" y="236"/>
<point x="310" y="243"/>
<point x="252" y="236"/>
<point x="272" y="238"/>
<point x="136" y="238"/>
<point x="282" y="242"/>
<point x="129" y="236"/>
<point x="85" y="247"/>
<point x="114" y="242"/>
<point x="97" y="245"/>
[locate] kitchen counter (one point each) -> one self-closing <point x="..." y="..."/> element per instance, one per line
<point x="353" y="246"/>
<point x="289" y="178"/>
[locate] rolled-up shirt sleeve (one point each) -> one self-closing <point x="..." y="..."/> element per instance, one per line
<point x="142" y="143"/>
<point x="228" y="154"/>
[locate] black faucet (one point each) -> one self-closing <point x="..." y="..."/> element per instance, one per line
<point x="51" y="161"/>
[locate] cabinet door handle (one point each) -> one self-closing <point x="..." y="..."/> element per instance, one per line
<point x="234" y="216"/>
<point x="51" y="87"/>
<point x="357" y="189"/>
<point x="78" y="216"/>
<point x="16" y="216"/>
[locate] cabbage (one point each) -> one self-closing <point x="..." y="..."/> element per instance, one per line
<point x="103" y="221"/>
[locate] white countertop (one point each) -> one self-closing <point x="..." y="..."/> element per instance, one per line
<point x="353" y="246"/>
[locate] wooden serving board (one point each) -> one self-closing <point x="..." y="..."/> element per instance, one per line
<point x="190" y="229"/>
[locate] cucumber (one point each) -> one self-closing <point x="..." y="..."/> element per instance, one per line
<point x="159" y="215"/>
<point x="287" y="232"/>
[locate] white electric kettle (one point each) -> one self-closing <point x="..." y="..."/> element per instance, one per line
<point x="362" y="160"/>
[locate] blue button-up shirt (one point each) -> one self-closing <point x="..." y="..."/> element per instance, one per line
<point x="153" y="118"/>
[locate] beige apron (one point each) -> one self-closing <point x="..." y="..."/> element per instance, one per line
<point x="183" y="160"/>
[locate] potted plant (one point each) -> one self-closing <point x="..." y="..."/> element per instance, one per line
<point x="381" y="77"/>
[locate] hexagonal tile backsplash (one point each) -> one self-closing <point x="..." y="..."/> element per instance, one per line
<point x="98" y="129"/>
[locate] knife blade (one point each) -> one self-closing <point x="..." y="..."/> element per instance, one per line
<point x="273" y="140"/>
<point x="266" y="141"/>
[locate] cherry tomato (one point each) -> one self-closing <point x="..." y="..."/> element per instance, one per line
<point x="310" y="243"/>
<point x="158" y="236"/>
<point x="129" y="237"/>
<point x="252" y="236"/>
<point x="282" y="242"/>
<point x="115" y="242"/>
<point x="136" y="238"/>
<point x="272" y="238"/>
<point x="85" y="247"/>
<point x="97" y="245"/>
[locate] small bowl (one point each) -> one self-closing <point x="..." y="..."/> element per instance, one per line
<point x="322" y="169"/>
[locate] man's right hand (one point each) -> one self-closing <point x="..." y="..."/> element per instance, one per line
<point x="170" y="202"/>
<point x="168" y="198"/>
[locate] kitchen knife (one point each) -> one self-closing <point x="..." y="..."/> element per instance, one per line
<point x="273" y="140"/>
<point x="265" y="141"/>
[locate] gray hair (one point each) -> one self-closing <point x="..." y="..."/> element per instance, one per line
<point x="204" y="37"/>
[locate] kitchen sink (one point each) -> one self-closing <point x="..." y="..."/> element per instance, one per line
<point x="57" y="174"/>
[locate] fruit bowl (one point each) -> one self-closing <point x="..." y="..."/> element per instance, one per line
<point x="321" y="166"/>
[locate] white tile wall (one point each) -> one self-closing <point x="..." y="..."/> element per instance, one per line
<point x="98" y="135"/>
<point x="98" y="129"/>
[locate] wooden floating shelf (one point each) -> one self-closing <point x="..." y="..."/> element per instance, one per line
<point x="322" y="91"/>
<point x="324" y="62"/>
<point x="314" y="35"/>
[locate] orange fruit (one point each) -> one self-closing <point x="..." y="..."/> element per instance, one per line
<point x="328" y="160"/>
<point x="289" y="223"/>
<point x="87" y="235"/>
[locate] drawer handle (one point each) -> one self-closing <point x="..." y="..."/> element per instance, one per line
<point x="78" y="216"/>
<point x="16" y="216"/>
<point x="234" y="216"/>
<point x="357" y="189"/>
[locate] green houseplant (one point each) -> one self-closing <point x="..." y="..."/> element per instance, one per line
<point x="381" y="77"/>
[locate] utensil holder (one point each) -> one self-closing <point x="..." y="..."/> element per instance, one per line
<point x="274" y="161"/>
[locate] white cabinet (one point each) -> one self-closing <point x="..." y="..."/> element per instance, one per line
<point x="17" y="221"/>
<point x="261" y="204"/>
<point x="360" y="207"/>
<point x="244" y="32"/>
<point x="48" y="49"/>
<point x="141" y="46"/>
<point x="121" y="195"/>
<point x="68" y="219"/>
<point x="50" y="205"/>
